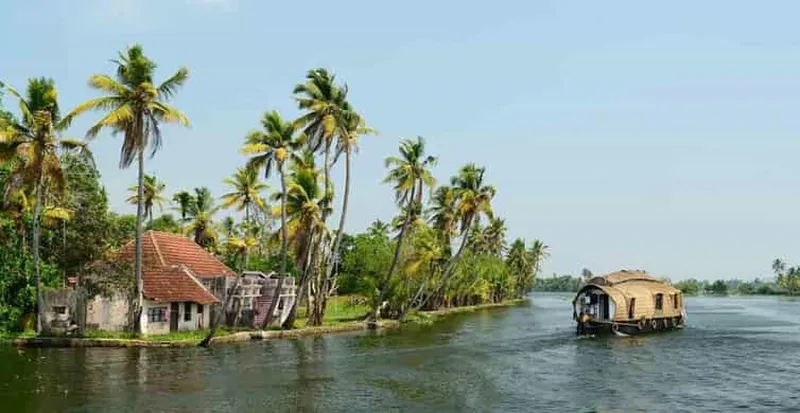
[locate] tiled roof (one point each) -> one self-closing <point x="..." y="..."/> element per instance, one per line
<point x="165" y="249"/>
<point x="174" y="284"/>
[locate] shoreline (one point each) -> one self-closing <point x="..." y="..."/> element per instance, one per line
<point x="252" y="335"/>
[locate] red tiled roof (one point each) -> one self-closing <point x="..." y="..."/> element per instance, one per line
<point x="174" y="284"/>
<point x="164" y="249"/>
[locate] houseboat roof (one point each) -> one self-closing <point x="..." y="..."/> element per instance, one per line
<point x="626" y="283"/>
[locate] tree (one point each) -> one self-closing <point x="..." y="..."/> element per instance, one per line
<point x="268" y="149"/>
<point x="137" y="108"/>
<point x="495" y="237"/>
<point x="183" y="204"/>
<point x="152" y="193"/>
<point x="34" y="145"/>
<point x="166" y="223"/>
<point x="443" y="214"/>
<point x="378" y="229"/>
<point x="201" y="215"/>
<point x="520" y="265"/>
<point x="245" y="194"/>
<point x="410" y="174"/>
<point x="719" y="287"/>
<point x="586" y="274"/>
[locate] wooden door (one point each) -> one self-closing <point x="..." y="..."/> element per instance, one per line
<point x="174" y="317"/>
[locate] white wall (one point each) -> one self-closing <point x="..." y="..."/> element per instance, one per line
<point x="163" y="327"/>
<point x="107" y="313"/>
<point x="195" y="323"/>
<point x="158" y="327"/>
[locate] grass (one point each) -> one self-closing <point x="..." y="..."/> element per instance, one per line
<point x="339" y="311"/>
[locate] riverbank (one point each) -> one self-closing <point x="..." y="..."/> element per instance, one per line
<point x="192" y="339"/>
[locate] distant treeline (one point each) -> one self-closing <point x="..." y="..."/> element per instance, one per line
<point x="568" y="283"/>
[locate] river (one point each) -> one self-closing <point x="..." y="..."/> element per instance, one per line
<point x="736" y="354"/>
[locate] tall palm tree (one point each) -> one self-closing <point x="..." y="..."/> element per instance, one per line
<point x="201" y="215"/>
<point x="246" y="194"/>
<point x="153" y="194"/>
<point x="137" y="108"/>
<point x="410" y="173"/>
<point x="34" y="144"/>
<point x="267" y="149"/>
<point x="538" y="253"/>
<point x="519" y="264"/>
<point x="443" y="216"/>
<point x="473" y="200"/>
<point x="305" y="204"/>
<point x="495" y="237"/>
<point x="183" y="201"/>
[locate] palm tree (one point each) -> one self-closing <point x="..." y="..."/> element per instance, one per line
<point x="538" y="253"/>
<point x="153" y="195"/>
<point x="201" y="215"/>
<point x="184" y="201"/>
<point x="268" y="148"/>
<point x="137" y="108"/>
<point x="247" y="189"/>
<point x="305" y="204"/>
<point x="443" y="214"/>
<point x="34" y="144"/>
<point x="495" y="237"/>
<point x="378" y="229"/>
<point x="520" y="265"/>
<point x="473" y="200"/>
<point x="410" y="173"/>
<point x="779" y="268"/>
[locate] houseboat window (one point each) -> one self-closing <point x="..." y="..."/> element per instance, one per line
<point x="675" y="300"/>
<point x="187" y="311"/>
<point x="659" y="301"/>
<point x="157" y="314"/>
<point x="631" y="308"/>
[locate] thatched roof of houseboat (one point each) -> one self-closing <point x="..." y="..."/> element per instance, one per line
<point x="622" y="286"/>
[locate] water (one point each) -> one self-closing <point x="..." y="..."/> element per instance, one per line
<point x="737" y="354"/>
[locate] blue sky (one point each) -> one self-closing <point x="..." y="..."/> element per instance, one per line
<point x="623" y="134"/>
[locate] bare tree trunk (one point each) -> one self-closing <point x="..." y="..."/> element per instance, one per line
<point x="373" y="318"/>
<point x="223" y="311"/>
<point x="37" y="211"/>
<point x="137" y="309"/>
<point x="284" y="238"/>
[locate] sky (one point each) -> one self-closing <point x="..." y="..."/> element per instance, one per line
<point x="623" y="134"/>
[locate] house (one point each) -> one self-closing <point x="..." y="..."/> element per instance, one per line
<point x="254" y="296"/>
<point x="183" y="287"/>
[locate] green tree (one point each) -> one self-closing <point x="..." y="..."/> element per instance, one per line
<point x="410" y="174"/>
<point x="689" y="287"/>
<point x="201" y="216"/>
<point x="153" y="194"/>
<point x="166" y="223"/>
<point x="34" y="144"/>
<point x="378" y="229"/>
<point x="246" y="190"/>
<point x="183" y="204"/>
<point x="271" y="148"/>
<point x="520" y="265"/>
<point x="137" y="108"/>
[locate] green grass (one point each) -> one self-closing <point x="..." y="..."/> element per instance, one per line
<point x="339" y="311"/>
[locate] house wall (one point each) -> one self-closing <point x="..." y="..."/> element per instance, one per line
<point x="198" y="321"/>
<point x="149" y="328"/>
<point x="62" y="308"/>
<point x="107" y="313"/>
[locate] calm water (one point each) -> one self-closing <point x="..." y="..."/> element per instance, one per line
<point x="737" y="354"/>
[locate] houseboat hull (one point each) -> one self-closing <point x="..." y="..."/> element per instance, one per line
<point x="627" y="328"/>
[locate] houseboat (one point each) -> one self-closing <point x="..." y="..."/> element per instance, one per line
<point x="627" y="303"/>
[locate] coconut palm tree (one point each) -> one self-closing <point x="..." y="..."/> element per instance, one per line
<point x="443" y="216"/>
<point x="268" y="149"/>
<point x="538" y="253"/>
<point x="246" y="194"/>
<point x="34" y="144"/>
<point x="519" y="264"/>
<point x="183" y="201"/>
<point x="494" y="236"/>
<point x="305" y="204"/>
<point x="473" y="201"/>
<point x="410" y="173"/>
<point x="153" y="194"/>
<point x="378" y="229"/>
<point x="137" y="108"/>
<point x="201" y="216"/>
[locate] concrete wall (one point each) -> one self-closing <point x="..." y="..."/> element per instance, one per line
<point x="197" y="322"/>
<point x="149" y="328"/>
<point x="107" y="313"/>
<point x="63" y="310"/>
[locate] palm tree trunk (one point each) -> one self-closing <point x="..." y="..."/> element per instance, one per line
<point x="137" y="309"/>
<point x="449" y="267"/>
<point x="337" y="241"/>
<point x="284" y="250"/>
<point x="305" y="268"/>
<point x="223" y="311"/>
<point x="373" y="318"/>
<point x="37" y="210"/>
<point x="246" y="234"/>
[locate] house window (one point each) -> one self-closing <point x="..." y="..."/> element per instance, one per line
<point x="280" y="305"/>
<point x="157" y="314"/>
<point x="200" y="309"/>
<point x="187" y="311"/>
<point x="631" y="308"/>
<point x="659" y="301"/>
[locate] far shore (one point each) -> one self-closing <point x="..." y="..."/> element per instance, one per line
<point x="243" y="336"/>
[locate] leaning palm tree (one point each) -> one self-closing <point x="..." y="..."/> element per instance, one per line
<point x="153" y="194"/>
<point x="538" y="253"/>
<point x="34" y="145"/>
<point x="183" y="201"/>
<point x="267" y="149"/>
<point x="443" y="214"/>
<point x="473" y="201"/>
<point x="410" y="173"/>
<point x="137" y="108"/>
<point x="201" y="216"/>
<point x="245" y="195"/>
